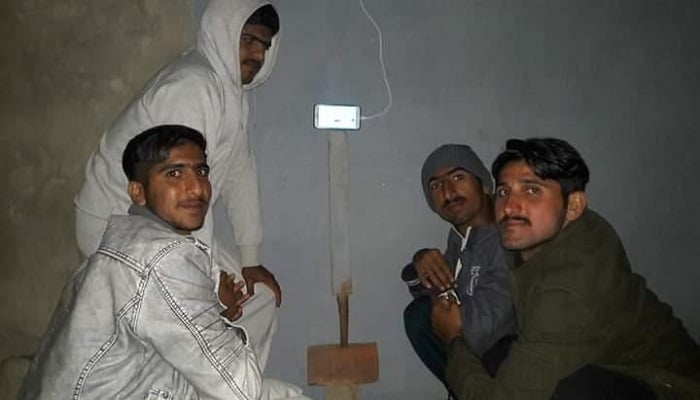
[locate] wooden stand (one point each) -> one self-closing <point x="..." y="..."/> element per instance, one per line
<point x="341" y="368"/>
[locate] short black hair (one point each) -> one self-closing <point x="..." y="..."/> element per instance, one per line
<point x="267" y="16"/>
<point x="549" y="158"/>
<point x="153" y="145"/>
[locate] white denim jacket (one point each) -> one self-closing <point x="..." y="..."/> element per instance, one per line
<point x="141" y="320"/>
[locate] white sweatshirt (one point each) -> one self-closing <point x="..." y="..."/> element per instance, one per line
<point x="200" y="89"/>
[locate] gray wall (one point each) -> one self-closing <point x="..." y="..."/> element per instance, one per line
<point x="619" y="80"/>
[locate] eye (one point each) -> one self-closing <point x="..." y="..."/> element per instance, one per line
<point x="174" y="173"/>
<point x="203" y="171"/>
<point x="501" y="192"/>
<point x="434" y="185"/>
<point x="532" y="190"/>
<point x="459" y="176"/>
<point x="247" y="39"/>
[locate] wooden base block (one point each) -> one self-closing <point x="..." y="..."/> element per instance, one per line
<point x="333" y="365"/>
<point x="342" y="392"/>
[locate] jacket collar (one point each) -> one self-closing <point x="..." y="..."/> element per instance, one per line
<point x="135" y="209"/>
<point x="477" y="235"/>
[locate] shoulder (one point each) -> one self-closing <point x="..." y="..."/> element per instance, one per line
<point x="145" y="242"/>
<point x="186" y="91"/>
<point x="587" y="260"/>
<point x="589" y="232"/>
<point x="485" y="237"/>
<point x="589" y="246"/>
<point x="190" y="76"/>
<point x="486" y="242"/>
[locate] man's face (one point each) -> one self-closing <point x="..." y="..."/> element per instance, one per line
<point x="178" y="189"/>
<point x="254" y="42"/>
<point x="456" y="195"/>
<point x="530" y="211"/>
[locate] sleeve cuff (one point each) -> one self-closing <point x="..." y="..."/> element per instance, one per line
<point x="243" y="333"/>
<point x="249" y="256"/>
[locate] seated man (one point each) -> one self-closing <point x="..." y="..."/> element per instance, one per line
<point x="457" y="187"/>
<point x="140" y="319"/>
<point x="576" y="299"/>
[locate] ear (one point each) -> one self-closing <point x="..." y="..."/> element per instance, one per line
<point x="576" y="206"/>
<point x="137" y="193"/>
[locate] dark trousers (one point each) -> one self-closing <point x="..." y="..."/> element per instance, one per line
<point x="588" y="383"/>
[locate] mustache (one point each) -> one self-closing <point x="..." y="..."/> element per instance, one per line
<point x="252" y="63"/>
<point x="458" y="199"/>
<point x="199" y="201"/>
<point x="508" y="218"/>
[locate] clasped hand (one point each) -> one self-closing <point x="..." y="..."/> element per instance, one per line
<point x="433" y="270"/>
<point x="231" y="295"/>
<point x="446" y="319"/>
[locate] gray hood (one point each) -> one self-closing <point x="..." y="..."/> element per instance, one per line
<point x="218" y="39"/>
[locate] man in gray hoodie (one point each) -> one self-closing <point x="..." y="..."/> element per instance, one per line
<point x="457" y="187"/>
<point x="205" y="88"/>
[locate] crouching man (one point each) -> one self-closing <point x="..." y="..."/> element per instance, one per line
<point x="458" y="188"/>
<point x="141" y="318"/>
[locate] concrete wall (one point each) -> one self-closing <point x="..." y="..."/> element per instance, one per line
<point x="68" y="67"/>
<point x="617" y="79"/>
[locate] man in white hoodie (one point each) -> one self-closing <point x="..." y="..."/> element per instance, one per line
<point x="206" y="89"/>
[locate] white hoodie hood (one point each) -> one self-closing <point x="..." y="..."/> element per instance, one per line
<point x="218" y="39"/>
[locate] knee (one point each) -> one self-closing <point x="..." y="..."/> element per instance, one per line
<point x="264" y="296"/>
<point x="596" y="383"/>
<point x="416" y="316"/>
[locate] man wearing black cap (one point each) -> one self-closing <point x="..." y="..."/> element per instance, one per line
<point x="472" y="270"/>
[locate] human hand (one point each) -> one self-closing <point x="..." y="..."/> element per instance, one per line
<point x="231" y="295"/>
<point x="446" y="319"/>
<point x="432" y="269"/>
<point x="253" y="275"/>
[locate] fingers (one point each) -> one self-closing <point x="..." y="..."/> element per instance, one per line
<point x="237" y="286"/>
<point x="445" y="303"/>
<point x="242" y="299"/>
<point x="253" y="275"/>
<point x="238" y="295"/>
<point x="269" y="280"/>
<point x="250" y="286"/>
<point x="231" y="294"/>
<point x="432" y="269"/>
<point x="446" y="319"/>
<point x="233" y="314"/>
<point x="277" y="290"/>
<point x="223" y="279"/>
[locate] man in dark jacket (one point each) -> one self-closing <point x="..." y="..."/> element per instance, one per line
<point x="473" y="269"/>
<point x="578" y="304"/>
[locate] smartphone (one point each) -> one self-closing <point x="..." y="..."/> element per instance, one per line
<point x="333" y="116"/>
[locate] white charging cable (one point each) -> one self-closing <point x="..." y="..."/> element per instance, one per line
<point x="381" y="61"/>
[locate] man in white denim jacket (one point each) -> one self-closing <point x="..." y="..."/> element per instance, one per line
<point x="205" y="88"/>
<point x="141" y="319"/>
